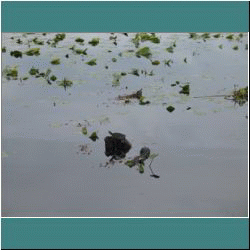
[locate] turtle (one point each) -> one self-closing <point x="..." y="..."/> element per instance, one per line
<point x="118" y="136"/>
<point x="145" y="153"/>
<point x="116" y="145"/>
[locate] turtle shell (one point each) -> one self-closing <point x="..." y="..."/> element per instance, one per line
<point x="118" y="136"/>
<point x="145" y="152"/>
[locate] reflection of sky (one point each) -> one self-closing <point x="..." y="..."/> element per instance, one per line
<point x="202" y="151"/>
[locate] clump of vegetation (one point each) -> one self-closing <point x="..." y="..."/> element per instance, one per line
<point x="33" y="52"/>
<point x="241" y="95"/>
<point x="205" y="36"/>
<point x="170" y="49"/>
<point x="53" y="78"/>
<point x="235" y="47"/>
<point x="16" y="53"/>
<point x="217" y="35"/>
<point x="80" y="51"/>
<point x="55" y="61"/>
<point x="19" y="41"/>
<point x="79" y="40"/>
<point x="134" y="72"/>
<point x="58" y="38"/>
<point x="142" y="37"/>
<point x="38" y="42"/>
<point x="185" y="89"/>
<point x="94" y="136"/>
<point x="94" y="41"/>
<point x="168" y="62"/>
<point x="10" y="73"/>
<point x="193" y="36"/>
<point x="230" y="37"/>
<point x="84" y="131"/>
<point x="33" y="71"/>
<point x="142" y="102"/>
<point x="91" y="62"/>
<point x="3" y="49"/>
<point x="145" y="51"/>
<point x="170" y="109"/>
<point x="156" y="62"/>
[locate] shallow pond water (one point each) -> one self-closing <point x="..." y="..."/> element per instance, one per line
<point x="202" y="145"/>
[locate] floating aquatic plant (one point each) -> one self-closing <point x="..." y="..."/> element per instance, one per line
<point x="53" y="78"/>
<point x="91" y="62"/>
<point x="142" y="37"/>
<point x="145" y="51"/>
<point x="193" y="36"/>
<point x="94" y="41"/>
<point x="59" y="37"/>
<point x="55" y="61"/>
<point x="156" y="62"/>
<point x="230" y="37"/>
<point x="80" y="51"/>
<point x="10" y="73"/>
<point x="114" y="59"/>
<point x="205" y="36"/>
<point x="84" y="130"/>
<point x="168" y="62"/>
<point x="170" y="49"/>
<point x="94" y="136"/>
<point x="38" y="42"/>
<point x="3" y="49"/>
<point x="217" y="35"/>
<point x="16" y="53"/>
<point x="65" y="83"/>
<point x="185" y="89"/>
<point x="235" y="48"/>
<point x="79" y="40"/>
<point x="170" y="109"/>
<point x="33" y="71"/>
<point x="33" y="52"/>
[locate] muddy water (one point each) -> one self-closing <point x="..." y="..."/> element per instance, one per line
<point x="203" y="159"/>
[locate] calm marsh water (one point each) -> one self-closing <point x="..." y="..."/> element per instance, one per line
<point x="202" y="144"/>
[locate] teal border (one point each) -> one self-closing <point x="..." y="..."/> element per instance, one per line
<point x="71" y="233"/>
<point x="123" y="16"/>
<point x="164" y="233"/>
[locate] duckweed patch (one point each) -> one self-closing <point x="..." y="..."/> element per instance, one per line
<point x="94" y="41"/>
<point x="16" y="53"/>
<point x="91" y="62"/>
<point x="145" y="51"/>
<point x="33" y="52"/>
